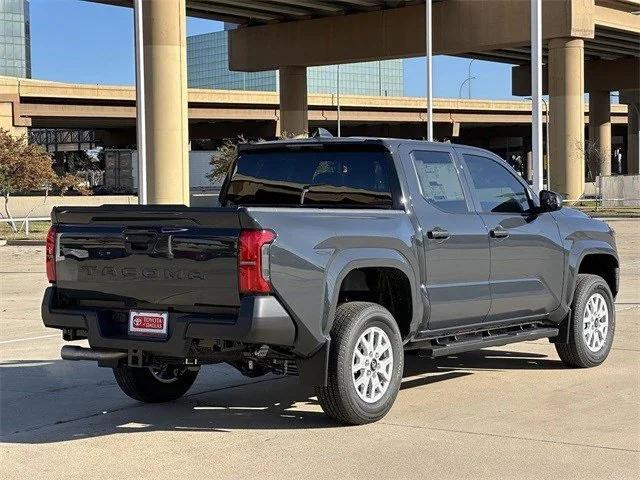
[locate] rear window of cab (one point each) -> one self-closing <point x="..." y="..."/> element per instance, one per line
<point x="313" y="178"/>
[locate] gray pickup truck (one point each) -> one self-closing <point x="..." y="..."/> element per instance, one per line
<point x="328" y="259"/>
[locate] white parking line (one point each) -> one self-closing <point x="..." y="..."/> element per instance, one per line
<point x="29" y="338"/>
<point x="627" y="306"/>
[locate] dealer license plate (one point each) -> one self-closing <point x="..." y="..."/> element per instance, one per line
<point x="152" y="324"/>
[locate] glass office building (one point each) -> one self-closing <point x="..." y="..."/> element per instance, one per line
<point x="208" y="67"/>
<point x="15" y="41"/>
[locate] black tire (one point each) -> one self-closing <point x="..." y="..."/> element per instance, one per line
<point x="576" y="353"/>
<point x="339" y="399"/>
<point x="140" y="384"/>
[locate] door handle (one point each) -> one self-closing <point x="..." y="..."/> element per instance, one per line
<point x="438" y="234"/>
<point x="499" y="232"/>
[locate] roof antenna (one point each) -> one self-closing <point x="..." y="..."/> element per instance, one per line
<point x="322" y="133"/>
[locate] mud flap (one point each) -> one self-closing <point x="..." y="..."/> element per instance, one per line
<point x="313" y="370"/>
<point x="564" y="331"/>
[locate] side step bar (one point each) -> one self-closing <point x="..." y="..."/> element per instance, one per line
<point x="450" y="345"/>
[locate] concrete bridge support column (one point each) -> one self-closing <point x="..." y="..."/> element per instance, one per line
<point x="164" y="46"/>
<point x="10" y="118"/>
<point x="632" y="99"/>
<point x="566" y="116"/>
<point x="7" y="120"/>
<point x="633" y="139"/>
<point x="600" y="128"/>
<point x="294" y="115"/>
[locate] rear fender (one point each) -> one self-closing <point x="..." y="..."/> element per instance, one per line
<point x="352" y="259"/>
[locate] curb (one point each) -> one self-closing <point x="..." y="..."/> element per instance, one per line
<point x="39" y="243"/>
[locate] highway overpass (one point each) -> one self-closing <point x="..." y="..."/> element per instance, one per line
<point x="501" y="125"/>
<point x="223" y="113"/>
<point x="290" y="35"/>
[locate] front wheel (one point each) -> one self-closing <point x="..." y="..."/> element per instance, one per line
<point x="591" y="325"/>
<point x="366" y="361"/>
<point x="155" y="384"/>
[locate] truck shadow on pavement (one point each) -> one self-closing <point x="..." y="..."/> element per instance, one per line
<point x="40" y="404"/>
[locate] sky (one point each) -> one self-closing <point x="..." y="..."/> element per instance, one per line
<point x="84" y="42"/>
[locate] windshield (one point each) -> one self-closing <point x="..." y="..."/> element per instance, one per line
<point x="312" y="178"/>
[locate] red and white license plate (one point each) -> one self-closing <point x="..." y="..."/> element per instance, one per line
<point x="152" y="324"/>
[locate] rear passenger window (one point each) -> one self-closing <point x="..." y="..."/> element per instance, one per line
<point x="498" y="190"/>
<point x="439" y="181"/>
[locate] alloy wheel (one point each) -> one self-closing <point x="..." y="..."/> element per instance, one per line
<point x="595" y="322"/>
<point x="372" y="364"/>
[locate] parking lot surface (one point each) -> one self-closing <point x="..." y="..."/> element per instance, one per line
<point x="506" y="412"/>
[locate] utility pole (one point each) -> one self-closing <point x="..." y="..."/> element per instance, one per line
<point x="338" y="97"/>
<point x="429" y="50"/>
<point x="536" y="94"/>
<point x="141" y="123"/>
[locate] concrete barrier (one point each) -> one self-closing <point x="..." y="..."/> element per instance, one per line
<point x="204" y="199"/>
<point x="21" y="206"/>
<point x="590" y="189"/>
<point x="37" y="206"/>
<point x="620" y="191"/>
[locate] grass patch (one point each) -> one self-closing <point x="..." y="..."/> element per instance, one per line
<point x="37" y="231"/>
<point x="595" y="211"/>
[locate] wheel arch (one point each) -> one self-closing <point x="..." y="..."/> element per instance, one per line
<point x="371" y="259"/>
<point x="601" y="260"/>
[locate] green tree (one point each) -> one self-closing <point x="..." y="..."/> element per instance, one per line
<point x="25" y="168"/>
<point x="224" y="156"/>
<point x="72" y="162"/>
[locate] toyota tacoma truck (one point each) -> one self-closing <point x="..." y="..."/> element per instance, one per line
<point x="329" y="259"/>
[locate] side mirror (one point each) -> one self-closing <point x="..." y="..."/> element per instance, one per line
<point x="550" y="201"/>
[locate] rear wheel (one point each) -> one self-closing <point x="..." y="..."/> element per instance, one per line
<point x="365" y="364"/>
<point x="592" y="324"/>
<point x="155" y="384"/>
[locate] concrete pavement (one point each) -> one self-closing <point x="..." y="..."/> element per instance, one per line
<point x="507" y="412"/>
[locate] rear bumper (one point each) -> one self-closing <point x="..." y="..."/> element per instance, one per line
<point x="261" y="320"/>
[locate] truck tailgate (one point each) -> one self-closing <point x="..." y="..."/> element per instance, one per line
<point x="149" y="255"/>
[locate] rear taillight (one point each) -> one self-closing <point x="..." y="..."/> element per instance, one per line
<point x="253" y="261"/>
<point x="51" y="254"/>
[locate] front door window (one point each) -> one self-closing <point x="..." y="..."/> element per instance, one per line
<point x="497" y="189"/>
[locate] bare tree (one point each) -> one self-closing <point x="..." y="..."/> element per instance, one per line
<point x="594" y="160"/>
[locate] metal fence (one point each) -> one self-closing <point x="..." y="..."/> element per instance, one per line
<point x="25" y="222"/>
<point x="92" y="178"/>
<point x="56" y="139"/>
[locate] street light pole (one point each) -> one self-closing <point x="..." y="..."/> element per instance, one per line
<point x="546" y="142"/>
<point x="468" y="79"/>
<point x="546" y="128"/>
<point x="536" y="94"/>
<point x="141" y="123"/>
<point x="469" y="76"/>
<point x="429" y="51"/>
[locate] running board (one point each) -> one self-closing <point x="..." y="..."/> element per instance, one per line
<point x="442" y="346"/>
